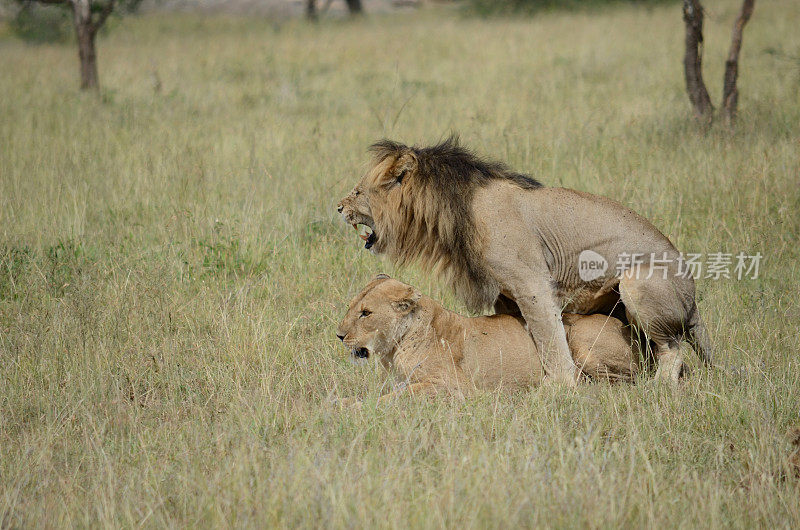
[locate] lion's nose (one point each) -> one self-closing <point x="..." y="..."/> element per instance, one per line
<point x="339" y="208"/>
<point x="341" y="337"/>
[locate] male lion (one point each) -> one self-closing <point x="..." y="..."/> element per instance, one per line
<point x="502" y="238"/>
<point x="437" y="351"/>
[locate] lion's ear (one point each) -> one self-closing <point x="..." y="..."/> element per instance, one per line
<point x="407" y="302"/>
<point x="407" y="163"/>
<point x="382" y="276"/>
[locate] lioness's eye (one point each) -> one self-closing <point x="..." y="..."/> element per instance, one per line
<point x="365" y="313"/>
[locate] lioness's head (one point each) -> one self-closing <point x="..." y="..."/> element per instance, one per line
<point x="378" y="193"/>
<point x="378" y="317"/>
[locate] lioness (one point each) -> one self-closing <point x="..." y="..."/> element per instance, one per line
<point x="503" y="239"/>
<point x="438" y="351"/>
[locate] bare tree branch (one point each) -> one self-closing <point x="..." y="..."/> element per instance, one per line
<point x="104" y="13"/>
<point x="88" y="16"/>
<point x="692" y="65"/>
<point x="730" y="94"/>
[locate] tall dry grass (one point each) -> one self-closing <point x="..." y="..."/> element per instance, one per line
<point x="172" y="269"/>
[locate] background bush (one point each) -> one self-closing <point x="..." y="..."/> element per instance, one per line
<point x="488" y="7"/>
<point x="38" y="23"/>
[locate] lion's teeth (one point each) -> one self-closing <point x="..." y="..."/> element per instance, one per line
<point x="364" y="232"/>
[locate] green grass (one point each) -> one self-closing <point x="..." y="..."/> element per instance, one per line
<point x="172" y="270"/>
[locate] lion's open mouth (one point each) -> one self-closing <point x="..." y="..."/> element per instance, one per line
<point x="360" y="353"/>
<point x="367" y="233"/>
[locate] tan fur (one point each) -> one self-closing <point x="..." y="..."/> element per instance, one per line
<point x="433" y="350"/>
<point x="794" y="457"/>
<point x="499" y="237"/>
<point x="438" y="237"/>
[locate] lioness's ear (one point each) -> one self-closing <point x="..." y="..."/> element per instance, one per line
<point x="405" y="164"/>
<point x="407" y="302"/>
<point x="382" y="276"/>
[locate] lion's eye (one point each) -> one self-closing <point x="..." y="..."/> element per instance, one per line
<point x="357" y="193"/>
<point x="365" y="313"/>
<point x="401" y="176"/>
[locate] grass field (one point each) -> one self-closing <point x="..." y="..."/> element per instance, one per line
<point x="172" y="270"/>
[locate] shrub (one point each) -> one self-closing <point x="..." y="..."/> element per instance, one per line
<point x="40" y="24"/>
<point x="491" y="7"/>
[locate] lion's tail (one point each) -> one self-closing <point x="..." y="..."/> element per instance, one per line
<point x="698" y="338"/>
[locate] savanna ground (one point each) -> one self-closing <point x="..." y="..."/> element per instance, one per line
<point x="172" y="270"/>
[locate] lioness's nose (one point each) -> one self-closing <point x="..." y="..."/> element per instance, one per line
<point x="339" y="208"/>
<point x="341" y="337"/>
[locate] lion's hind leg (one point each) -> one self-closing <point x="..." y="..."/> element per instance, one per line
<point x="660" y="305"/>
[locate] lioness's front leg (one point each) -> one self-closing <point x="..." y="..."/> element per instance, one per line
<point x="542" y="314"/>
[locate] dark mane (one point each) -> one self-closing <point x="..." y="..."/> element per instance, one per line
<point x="452" y="165"/>
<point x="448" y="164"/>
<point x="435" y="224"/>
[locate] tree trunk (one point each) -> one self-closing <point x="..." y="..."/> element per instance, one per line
<point x="88" y="56"/>
<point x="86" y="31"/>
<point x="311" y="9"/>
<point x="698" y="94"/>
<point x="354" y="6"/>
<point x="730" y="94"/>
